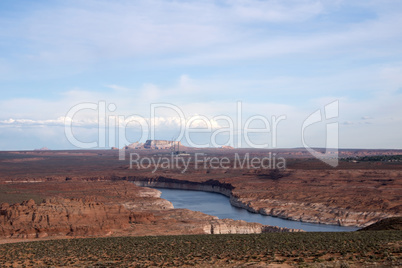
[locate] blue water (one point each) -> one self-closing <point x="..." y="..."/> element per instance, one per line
<point x="218" y="205"/>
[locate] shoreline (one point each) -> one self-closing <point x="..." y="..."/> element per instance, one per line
<point x="226" y="189"/>
<point x="218" y="205"/>
<point x="234" y="201"/>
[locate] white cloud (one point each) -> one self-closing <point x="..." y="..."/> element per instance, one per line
<point x="357" y="62"/>
<point x="82" y="32"/>
<point x="160" y="123"/>
<point x="60" y="121"/>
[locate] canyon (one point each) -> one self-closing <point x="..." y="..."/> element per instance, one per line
<point x="92" y="193"/>
<point x="303" y="211"/>
<point x="133" y="211"/>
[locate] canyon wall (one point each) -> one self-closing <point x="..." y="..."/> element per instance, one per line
<point x="305" y="212"/>
<point x="59" y="216"/>
<point x="208" y="186"/>
<point x="130" y="210"/>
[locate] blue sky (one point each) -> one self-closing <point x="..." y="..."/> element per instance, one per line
<point x="275" y="57"/>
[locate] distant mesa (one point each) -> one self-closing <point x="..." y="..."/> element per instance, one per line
<point x="156" y="145"/>
<point x="42" y="149"/>
<point x="135" y="145"/>
<point x="161" y="144"/>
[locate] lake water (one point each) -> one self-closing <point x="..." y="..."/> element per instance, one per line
<point x="219" y="205"/>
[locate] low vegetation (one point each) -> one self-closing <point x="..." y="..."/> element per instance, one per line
<point x="11" y="195"/>
<point x="375" y="158"/>
<point x="300" y="249"/>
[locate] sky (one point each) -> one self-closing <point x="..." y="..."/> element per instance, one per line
<point x="244" y="73"/>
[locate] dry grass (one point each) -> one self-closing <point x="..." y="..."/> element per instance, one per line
<point x="301" y="249"/>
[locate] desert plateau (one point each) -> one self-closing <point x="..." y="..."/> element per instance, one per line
<point x="49" y="195"/>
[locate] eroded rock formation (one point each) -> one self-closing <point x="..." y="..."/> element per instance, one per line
<point x="63" y="217"/>
<point x="162" y="144"/>
<point x="59" y="216"/>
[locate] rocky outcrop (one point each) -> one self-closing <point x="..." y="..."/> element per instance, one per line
<point x="323" y="214"/>
<point x="229" y="226"/>
<point x="162" y="144"/>
<point x="148" y="204"/>
<point x="135" y="145"/>
<point x="60" y="217"/>
<point x="156" y="144"/>
<point x="149" y="199"/>
<point x="207" y="186"/>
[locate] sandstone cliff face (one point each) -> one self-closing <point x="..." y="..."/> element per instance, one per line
<point x="229" y="226"/>
<point x="208" y="186"/>
<point x="59" y="216"/>
<point x="303" y="212"/>
<point x="162" y="144"/>
<point x="323" y="214"/>
<point x="135" y="145"/>
<point x="62" y="217"/>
